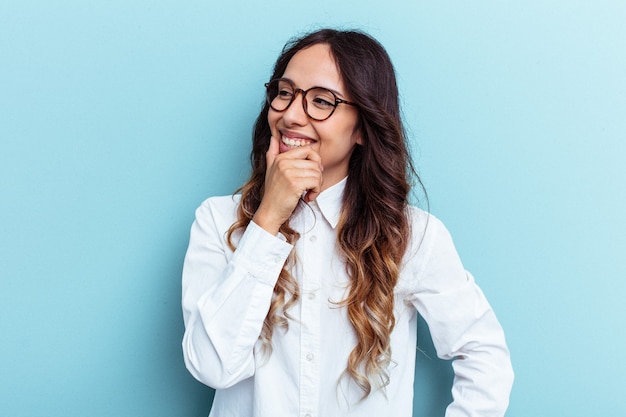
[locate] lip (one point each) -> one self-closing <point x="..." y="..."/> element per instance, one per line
<point x="293" y="136"/>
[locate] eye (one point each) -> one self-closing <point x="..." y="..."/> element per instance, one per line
<point x="284" y="91"/>
<point x="320" y="102"/>
<point x="322" y="98"/>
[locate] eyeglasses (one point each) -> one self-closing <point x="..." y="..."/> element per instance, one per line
<point x="318" y="103"/>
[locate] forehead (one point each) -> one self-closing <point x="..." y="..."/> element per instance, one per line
<point x="314" y="66"/>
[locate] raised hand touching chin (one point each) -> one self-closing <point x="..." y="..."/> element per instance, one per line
<point x="289" y="175"/>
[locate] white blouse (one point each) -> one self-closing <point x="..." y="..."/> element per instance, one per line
<point x="226" y="296"/>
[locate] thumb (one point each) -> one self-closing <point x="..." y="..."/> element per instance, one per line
<point x="272" y="151"/>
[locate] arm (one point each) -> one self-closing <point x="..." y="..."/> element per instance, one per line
<point x="226" y="295"/>
<point x="464" y="328"/>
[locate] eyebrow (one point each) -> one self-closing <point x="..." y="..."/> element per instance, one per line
<point x="341" y="95"/>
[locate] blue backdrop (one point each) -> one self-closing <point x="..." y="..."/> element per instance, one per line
<point x="118" y="118"/>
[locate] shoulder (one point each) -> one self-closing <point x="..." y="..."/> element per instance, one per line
<point x="430" y="240"/>
<point x="219" y="209"/>
<point x="222" y="202"/>
<point x="424" y="225"/>
<point x="431" y="263"/>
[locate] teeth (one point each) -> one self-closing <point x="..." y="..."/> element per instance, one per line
<point x="294" y="143"/>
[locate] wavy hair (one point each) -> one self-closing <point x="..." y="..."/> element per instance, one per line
<point x="373" y="230"/>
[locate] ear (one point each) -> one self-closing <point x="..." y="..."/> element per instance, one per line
<point x="357" y="137"/>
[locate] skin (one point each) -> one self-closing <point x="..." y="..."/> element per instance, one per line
<point x="322" y="160"/>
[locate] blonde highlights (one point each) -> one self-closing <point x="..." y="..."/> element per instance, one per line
<point x="286" y="290"/>
<point x="374" y="227"/>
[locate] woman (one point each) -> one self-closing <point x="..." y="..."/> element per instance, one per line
<point x="301" y="294"/>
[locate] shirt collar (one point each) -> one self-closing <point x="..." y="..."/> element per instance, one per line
<point x="329" y="202"/>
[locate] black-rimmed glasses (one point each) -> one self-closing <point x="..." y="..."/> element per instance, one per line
<point x="318" y="103"/>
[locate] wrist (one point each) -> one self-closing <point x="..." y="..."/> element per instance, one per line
<point x="266" y="223"/>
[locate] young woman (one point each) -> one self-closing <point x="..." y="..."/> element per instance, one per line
<point x="301" y="293"/>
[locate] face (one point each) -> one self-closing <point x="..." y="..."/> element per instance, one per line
<point x="334" y="138"/>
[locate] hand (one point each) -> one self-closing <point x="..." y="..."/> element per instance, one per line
<point x="289" y="176"/>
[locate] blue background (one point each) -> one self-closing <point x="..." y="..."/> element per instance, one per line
<point x="118" y="118"/>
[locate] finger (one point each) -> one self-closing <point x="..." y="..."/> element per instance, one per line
<point x="272" y="151"/>
<point x="305" y="153"/>
<point x="313" y="155"/>
<point x="312" y="193"/>
<point x="298" y="174"/>
<point x="310" y="182"/>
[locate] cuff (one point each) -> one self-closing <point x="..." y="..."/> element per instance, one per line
<point x="261" y="253"/>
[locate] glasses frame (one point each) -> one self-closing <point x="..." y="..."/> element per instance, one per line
<point x="337" y="102"/>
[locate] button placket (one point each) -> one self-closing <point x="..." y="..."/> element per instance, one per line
<point x="311" y="262"/>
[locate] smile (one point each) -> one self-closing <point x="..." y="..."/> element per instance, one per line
<point x="295" y="143"/>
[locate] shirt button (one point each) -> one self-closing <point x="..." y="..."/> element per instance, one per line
<point x="313" y="238"/>
<point x="309" y="357"/>
<point x="307" y="415"/>
<point x="311" y="296"/>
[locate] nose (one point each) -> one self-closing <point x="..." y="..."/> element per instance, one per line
<point x="295" y="114"/>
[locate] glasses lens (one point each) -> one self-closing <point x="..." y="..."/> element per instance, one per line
<point x="320" y="103"/>
<point x="280" y="94"/>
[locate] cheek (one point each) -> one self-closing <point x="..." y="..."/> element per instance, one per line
<point x="272" y="118"/>
<point x="350" y="133"/>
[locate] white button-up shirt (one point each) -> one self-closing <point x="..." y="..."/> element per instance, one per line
<point x="226" y="296"/>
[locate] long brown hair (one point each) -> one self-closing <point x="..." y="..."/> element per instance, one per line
<point x="373" y="230"/>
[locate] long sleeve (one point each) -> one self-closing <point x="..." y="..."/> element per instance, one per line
<point x="226" y="295"/>
<point x="464" y="328"/>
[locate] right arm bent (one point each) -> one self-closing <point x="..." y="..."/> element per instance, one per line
<point x="226" y="295"/>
